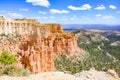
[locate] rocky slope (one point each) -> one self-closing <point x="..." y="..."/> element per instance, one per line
<point x="97" y="75"/>
<point x="86" y="37"/>
<point x="85" y="75"/>
<point x="116" y="43"/>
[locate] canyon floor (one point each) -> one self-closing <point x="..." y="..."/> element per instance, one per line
<point x="85" y="75"/>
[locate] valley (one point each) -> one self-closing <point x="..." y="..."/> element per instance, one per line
<point x="103" y="55"/>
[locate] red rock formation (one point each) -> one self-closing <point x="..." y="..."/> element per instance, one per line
<point x="37" y="58"/>
<point x="38" y="43"/>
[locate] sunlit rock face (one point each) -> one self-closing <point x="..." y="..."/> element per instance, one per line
<point x="37" y="43"/>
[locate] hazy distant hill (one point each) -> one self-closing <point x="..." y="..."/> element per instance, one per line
<point x="111" y="35"/>
<point x="91" y="26"/>
<point x="87" y="37"/>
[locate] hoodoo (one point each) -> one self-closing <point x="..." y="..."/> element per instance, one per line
<point x="36" y="43"/>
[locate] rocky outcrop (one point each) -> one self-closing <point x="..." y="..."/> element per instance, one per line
<point x="37" y="43"/>
<point x="85" y="75"/>
<point x="116" y="43"/>
<point x="97" y="75"/>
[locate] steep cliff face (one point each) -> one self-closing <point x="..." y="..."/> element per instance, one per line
<point x="37" y="52"/>
<point x="38" y="43"/>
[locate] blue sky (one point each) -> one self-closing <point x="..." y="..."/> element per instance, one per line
<point x="63" y="11"/>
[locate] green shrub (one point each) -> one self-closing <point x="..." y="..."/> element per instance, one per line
<point x="1" y="69"/>
<point x="7" y="58"/>
<point x="8" y="65"/>
<point x="13" y="70"/>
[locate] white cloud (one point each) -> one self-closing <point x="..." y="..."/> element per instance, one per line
<point x="64" y="18"/>
<point x="10" y="14"/>
<point x="45" y="18"/>
<point x="41" y="18"/>
<point x="14" y="15"/>
<point x="52" y="17"/>
<point x="118" y="12"/>
<point x="74" y="18"/>
<point x="83" y="7"/>
<point x="64" y="11"/>
<point x="112" y="6"/>
<point x="100" y="7"/>
<point x="108" y="17"/>
<point x="98" y="15"/>
<point x="36" y="17"/>
<point x="23" y="9"/>
<point x="2" y="11"/>
<point x="41" y="12"/>
<point x="44" y="3"/>
<point x="55" y="11"/>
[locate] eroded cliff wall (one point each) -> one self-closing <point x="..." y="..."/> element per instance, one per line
<point x="37" y="43"/>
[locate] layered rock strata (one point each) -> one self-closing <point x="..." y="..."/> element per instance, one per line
<point x="37" y="43"/>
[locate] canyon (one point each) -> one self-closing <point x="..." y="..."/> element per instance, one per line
<point x="36" y="44"/>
